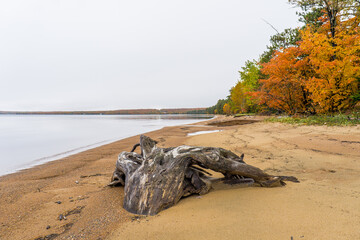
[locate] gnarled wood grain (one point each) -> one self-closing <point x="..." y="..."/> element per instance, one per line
<point x="157" y="178"/>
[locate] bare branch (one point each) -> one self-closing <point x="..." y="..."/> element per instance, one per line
<point x="270" y="25"/>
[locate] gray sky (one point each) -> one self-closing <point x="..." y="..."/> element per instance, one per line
<point x="89" y="55"/>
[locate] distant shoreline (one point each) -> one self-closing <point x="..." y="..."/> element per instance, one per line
<point x="113" y="112"/>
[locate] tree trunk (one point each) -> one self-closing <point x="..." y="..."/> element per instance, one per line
<point x="157" y="178"/>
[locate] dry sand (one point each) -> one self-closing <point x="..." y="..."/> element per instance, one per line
<point x="324" y="205"/>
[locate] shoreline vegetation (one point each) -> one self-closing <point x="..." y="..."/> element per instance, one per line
<point x="310" y="70"/>
<point x="329" y="120"/>
<point x="69" y="198"/>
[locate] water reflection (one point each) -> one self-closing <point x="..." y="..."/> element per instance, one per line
<point x="26" y="140"/>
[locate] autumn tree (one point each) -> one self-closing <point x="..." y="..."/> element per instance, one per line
<point x="333" y="51"/>
<point x="241" y="100"/>
<point x="226" y="109"/>
<point x="285" y="89"/>
<point x="238" y="98"/>
<point x="319" y="75"/>
<point x="335" y="65"/>
<point x="313" y="69"/>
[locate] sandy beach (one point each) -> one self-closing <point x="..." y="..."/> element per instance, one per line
<point x="324" y="205"/>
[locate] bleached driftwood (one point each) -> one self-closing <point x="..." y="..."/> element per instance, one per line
<point x="157" y="178"/>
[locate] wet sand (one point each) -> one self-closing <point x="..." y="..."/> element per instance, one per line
<point x="324" y="205"/>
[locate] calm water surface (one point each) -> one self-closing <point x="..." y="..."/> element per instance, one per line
<point x="28" y="140"/>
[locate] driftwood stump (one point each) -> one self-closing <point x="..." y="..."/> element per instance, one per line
<point x="157" y="178"/>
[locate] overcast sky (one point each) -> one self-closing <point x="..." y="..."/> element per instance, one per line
<point x="90" y="55"/>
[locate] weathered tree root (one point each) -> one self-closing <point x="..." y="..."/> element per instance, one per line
<point x="157" y="178"/>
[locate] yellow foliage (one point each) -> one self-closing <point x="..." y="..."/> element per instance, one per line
<point x="335" y="63"/>
<point x="226" y="109"/>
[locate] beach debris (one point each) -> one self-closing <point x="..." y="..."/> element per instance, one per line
<point x="48" y="237"/>
<point x="92" y="175"/>
<point x="48" y="227"/>
<point x="58" y="202"/>
<point x="76" y="210"/>
<point x="136" y="218"/>
<point x="79" y="198"/>
<point x="62" y="217"/>
<point x="158" y="178"/>
<point x="67" y="227"/>
<point x="77" y="182"/>
<point x="232" y="122"/>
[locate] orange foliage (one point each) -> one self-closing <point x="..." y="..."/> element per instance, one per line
<point x="335" y="65"/>
<point x="285" y="89"/>
<point x="319" y="75"/>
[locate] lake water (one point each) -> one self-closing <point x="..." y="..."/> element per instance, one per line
<point x="28" y="140"/>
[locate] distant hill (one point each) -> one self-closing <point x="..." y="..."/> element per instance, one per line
<point x="117" y="112"/>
